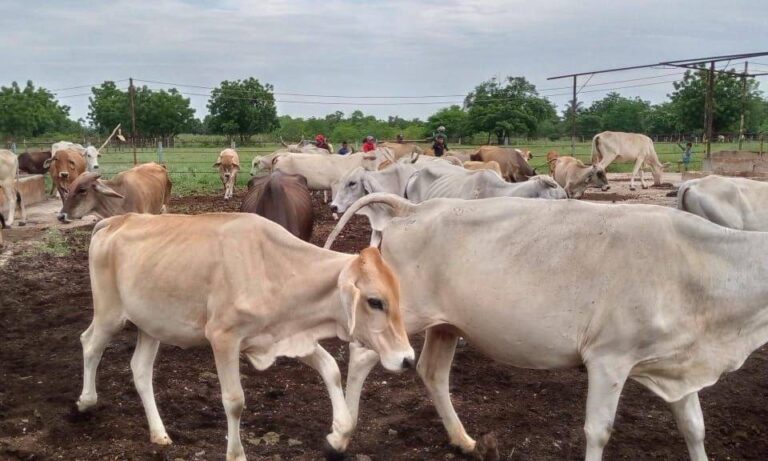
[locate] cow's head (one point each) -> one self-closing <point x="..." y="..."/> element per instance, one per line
<point x="65" y="165"/>
<point x="91" y="155"/>
<point x="370" y="295"/>
<point x="85" y="193"/>
<point x="349" y="188"/>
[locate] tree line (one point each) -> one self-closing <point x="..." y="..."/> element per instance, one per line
<point x="493" y="111"/>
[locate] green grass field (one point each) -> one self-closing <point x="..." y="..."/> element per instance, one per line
<point x="192" y="171"/>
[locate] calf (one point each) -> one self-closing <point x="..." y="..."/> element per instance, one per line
<point x="513" y="166"/>
<point x="34" y="162"/>
<point x="284" y="199"/>
<point x="575" y="177"/>
<point x="65" y="165"/>
<point x="246" y="286"/>
<point x="142" y="189"/>
<point x="9" y="170"/>
<point x="493" y="165"/>
<point x="228" y="164"/>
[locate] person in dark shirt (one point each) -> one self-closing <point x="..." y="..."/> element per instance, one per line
<point x="344" y="148"/>
<point x="439" y="146"/>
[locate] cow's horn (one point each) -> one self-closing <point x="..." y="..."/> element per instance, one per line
<point x="283" y="142"/>
<point x="413" y="159"/>
<point x="397" y="205"/>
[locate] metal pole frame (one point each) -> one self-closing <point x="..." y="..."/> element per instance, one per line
<point x="132" y="95"/>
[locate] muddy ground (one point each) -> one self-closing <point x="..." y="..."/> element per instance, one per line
<point x="45" y="303"/>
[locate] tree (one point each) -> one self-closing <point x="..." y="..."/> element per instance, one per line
<point x="454" y="119"/>
<point x="31" y="112"/>
<point x="617" y="113"/>
<point x="512" y="109"/>
<point x="162" y="113"/>
<point x="688" y="101"/>
<point x="109" y="106"/>
<point x="242" y="108"/>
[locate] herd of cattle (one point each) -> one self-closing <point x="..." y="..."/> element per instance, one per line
<point x="250" y="287"/>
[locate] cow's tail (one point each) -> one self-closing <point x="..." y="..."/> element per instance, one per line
<point x="397" y="205"/>
<point x="597" y="156"/>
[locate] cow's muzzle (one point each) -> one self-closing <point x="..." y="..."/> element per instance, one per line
<point x="334" y="208"/>
<point x="408" y="363"/>
<point x="64" y="174"/>
<point x="64" y="218"/>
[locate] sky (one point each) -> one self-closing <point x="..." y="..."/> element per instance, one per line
<point x="354" y="48"/>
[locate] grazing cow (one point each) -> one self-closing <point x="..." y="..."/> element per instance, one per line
<point x="244" y="285"/>
<point x="9" y="170"/>
<point x="525" y="154"/>
<point x="552" y="161"/>
<point x="228" y="165"/>
<point x="284" y="199"/>
<point x="142" y="189"/>
<point x="65" y="165"/>
<point x="575" y="177"/>
<point x="513" y="167"/>
<point x="610" y="146"/>
<point x="493" y="165"/>
<point x="33" y="162"/>
<point x="738" y="203"/>
<point x="676" y="333"/>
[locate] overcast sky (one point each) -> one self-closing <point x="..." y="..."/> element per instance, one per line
<point x="367" y="48"/>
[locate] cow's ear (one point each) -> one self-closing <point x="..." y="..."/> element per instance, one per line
<point x="47" y="163"/>
<point x="367" y="186"/>
<point x="350" y="298"/>
<point x="216" y="165"/>
<point x="106" y="190"/>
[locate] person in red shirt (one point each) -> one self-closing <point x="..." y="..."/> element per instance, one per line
<point x="322" y="143"/>
<point x="369" y="144"/>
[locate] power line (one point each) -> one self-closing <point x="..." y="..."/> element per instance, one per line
<point x="73" y="95"/>
<point x="88" y="86"/>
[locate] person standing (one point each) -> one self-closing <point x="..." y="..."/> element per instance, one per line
<point x="687" y="154"/>
<point x="439" y="146"/>
<point x="322" y="143"/>
<point x="344" y="148"/>
<point x="369" y="144"/>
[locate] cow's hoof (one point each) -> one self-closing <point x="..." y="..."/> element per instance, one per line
<point x="160" y="439"/>
<point x="84" y="404"/>
<point x="332" y="454"/>
<point x="487" y="448"/>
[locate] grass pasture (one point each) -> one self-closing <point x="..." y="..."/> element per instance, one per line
<point x="192" y="171"/>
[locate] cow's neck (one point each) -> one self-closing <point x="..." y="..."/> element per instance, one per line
<point x="109" y="206"/>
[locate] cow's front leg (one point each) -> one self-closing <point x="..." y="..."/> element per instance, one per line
<point x="637" y="169"/>
<point x="361" y="362"/>
<point x="226" y="352"/>
<point x="341" y="430"/>
<point x="434" y="368"/>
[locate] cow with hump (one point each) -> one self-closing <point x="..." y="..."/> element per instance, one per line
<point x="616" y="146"/>
<point x="228" y="164"/>
<point x="676" y="333"/>
<point x="248" y="287"/>
<point x="738" y="203"/>
<point x="284" y="199"/>
<point x="142" y="189"/>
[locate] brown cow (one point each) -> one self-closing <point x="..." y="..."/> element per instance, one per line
<point x="513" y="166"/>
<point x="228" y="164"/>
<point x="492" y="165"/>
<point x="552" y="161"/>
<point x="65" y="165"/>
<point x="575" y="177"/>
<point x="282" y="198"/>
<point x="34" y="162"/>
<point x="142" y="189"/>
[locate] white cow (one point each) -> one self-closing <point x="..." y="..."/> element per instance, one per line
<point x="90" y="153"/>
<point x="244" y="285"/>
<point x="9" y="170"/>
<point x="610" y="146"/>
<point x="265" y="163"/>
<point x="738" y="203"/>
<point x="675" y="333"/>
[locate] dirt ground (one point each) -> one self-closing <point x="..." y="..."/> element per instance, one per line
<point x="45" y="303"/>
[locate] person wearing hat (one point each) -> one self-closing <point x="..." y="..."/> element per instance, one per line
<point x="369" y="144"/>
<point x="322" y="143"/>
<point x="440" y="142"/>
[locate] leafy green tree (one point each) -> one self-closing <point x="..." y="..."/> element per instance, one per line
<point x="511" y="108"/>
<point x="618" y="113"/>
<point x="109" y="106"/>
<point x="454" y="119"/>
<point x="162" y="113"/>
<point x="662" y="119"/>
<point x="31" y="111"/>
<point x="242" y="108"/>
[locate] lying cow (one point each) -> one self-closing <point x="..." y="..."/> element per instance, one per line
<point x="284" y="199"/>
<point x="575" y="177"/>
<point x="615" y="146"/>
<point x="64" y="165"/>
<point x="738" y="203"/>
<point x="676" y="333"/>
<point x="228" y="165"/>
<point x="9" y="170"/>
<point x="34" y="162"/>
<point x="493" y="165"/>
<point x="513" y="166"/>
<point x="142" y="189"/>
<point x="244" y="285"/>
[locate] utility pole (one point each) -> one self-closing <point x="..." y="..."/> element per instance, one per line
<point x="709" y="107"/>
<point x="743" y="102"/>
<point x="132" y="93"/>
<point x="573" y="119"/>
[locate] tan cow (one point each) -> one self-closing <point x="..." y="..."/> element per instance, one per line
<point x="493" y="165"/>
<point x="399" y="150"/>
<point x="575" y="177"/>
<point x="142" y="189"/>
<point x="9" y="169"/>
<point x="228" y="164"/>
<point x="552" y="161"/>
<point x="65" y="165"/>
<point x="610" y="146"/>
<point x="513" y="167"/>
<point x="246" y="286"/>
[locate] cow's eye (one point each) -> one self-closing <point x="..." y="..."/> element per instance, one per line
<point x="351" y="184"/>
<point x="81" y="190"/>
<point x="376" y="303"/>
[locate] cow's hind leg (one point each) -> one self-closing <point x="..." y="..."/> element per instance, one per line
<point x="22" y="208"/>
<point x="342" y="426"/>
<point x="94" y="341"/>
<point x="434" y="368"/>
<point x="142" y="365"/>
<point x="606" y="380"/>
<point x="690" y="421"/>
<point x="226" y="352"/>
<point x="10" y="199"/>
<point x="635" y="170"/>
